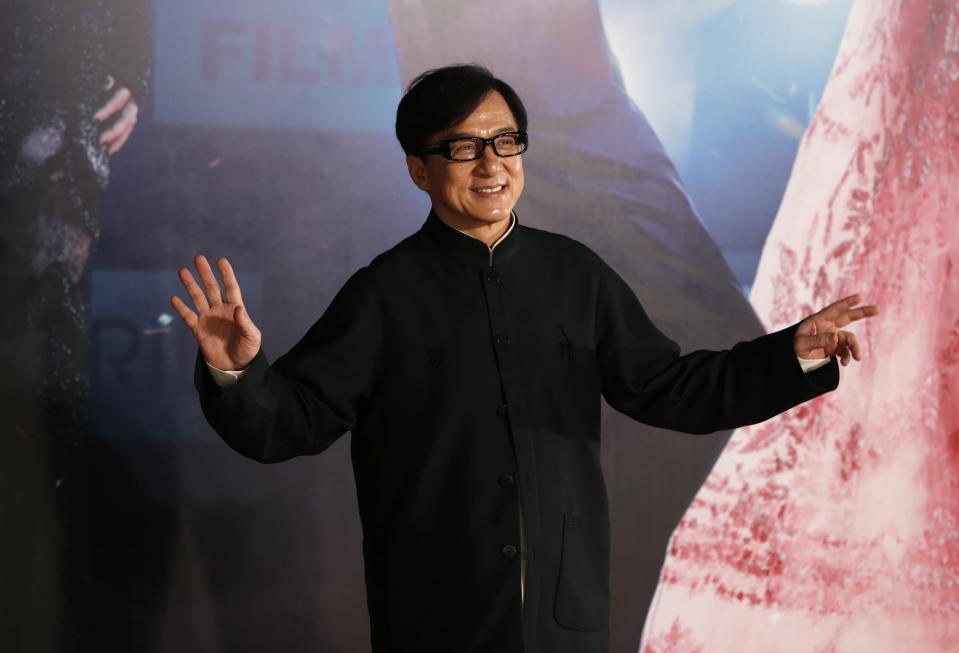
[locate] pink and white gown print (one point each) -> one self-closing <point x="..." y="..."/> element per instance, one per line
<point x="834" y="528"/>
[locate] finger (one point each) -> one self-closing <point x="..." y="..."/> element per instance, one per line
<point x="842" y="352"/>
<point x="188" y="316"/>
<point x="123" y="125"/>
<point x="114" y="104"/>
<point x="196" y="294"/>
<point x="209" y="281"/>
<point x="859" y="313"/>
<point x="230" y="284"/>
<point x="836" y="309"/>
<point x="115" y="147"/>
<point x="852" y="344"/>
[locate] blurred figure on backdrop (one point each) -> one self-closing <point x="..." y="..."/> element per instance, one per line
<point x="73" y="77"/>
<point x="469" y="362"/>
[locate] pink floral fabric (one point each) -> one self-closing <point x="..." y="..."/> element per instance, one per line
<point x="834" y="528"/>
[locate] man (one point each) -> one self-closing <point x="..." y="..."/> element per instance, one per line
<point x="468" y="362"/>
<point x="599" y="174"/>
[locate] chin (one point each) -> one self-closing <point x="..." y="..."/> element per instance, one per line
<point x="492" y="219"/>
<point x="494" y="215"/>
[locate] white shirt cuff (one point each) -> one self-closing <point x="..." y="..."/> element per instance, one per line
<point x="226" y="378"/>
<point x="810" y="364"/>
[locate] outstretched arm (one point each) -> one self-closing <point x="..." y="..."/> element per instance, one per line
<point x="645" y="377"/>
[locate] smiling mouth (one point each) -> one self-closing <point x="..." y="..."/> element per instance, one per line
<point x="489" y="190"/>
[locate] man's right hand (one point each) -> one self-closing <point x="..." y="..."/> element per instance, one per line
<point x="227" y="337"/>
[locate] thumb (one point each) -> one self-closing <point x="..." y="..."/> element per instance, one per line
<point x="243" y="322"/>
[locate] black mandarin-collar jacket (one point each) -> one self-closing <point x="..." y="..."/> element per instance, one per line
<point x="472" y="386"/>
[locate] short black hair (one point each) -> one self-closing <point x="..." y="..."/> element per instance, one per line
<point x="439" y="98"/>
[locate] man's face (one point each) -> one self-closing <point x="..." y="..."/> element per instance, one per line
<point x="473" y="194"/>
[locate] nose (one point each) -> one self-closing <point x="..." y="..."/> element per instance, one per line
<point x="489" y="162"/>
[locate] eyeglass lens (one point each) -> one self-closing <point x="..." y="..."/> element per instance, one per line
<point x="467" y="149"/>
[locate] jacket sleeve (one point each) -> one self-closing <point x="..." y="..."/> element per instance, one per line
<point x="645" y="376"/>
<point x="310" y="396"/>
<point x="128" y="46"/>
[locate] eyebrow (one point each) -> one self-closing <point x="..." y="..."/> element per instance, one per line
<point x="498" y="132"/>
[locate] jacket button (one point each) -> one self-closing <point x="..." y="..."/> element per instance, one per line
<point x="506" y="480"/>
<point x="502" y="339"/>
<point x="501" y="411"/>
<point x="492" y="277"/>
<point x="509" y="551"/>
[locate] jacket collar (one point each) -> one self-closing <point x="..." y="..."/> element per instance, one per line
<point x="471" y="250"/>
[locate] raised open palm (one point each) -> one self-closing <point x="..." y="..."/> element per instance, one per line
<point x="227" y="337"/>
<point x="820" y="335"/>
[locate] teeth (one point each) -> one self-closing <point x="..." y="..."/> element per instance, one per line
<point x="489" y="190"/>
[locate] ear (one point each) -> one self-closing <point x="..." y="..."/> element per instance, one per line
<point x="417" y="169"/>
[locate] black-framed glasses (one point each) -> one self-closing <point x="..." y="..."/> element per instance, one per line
<point x="471" y="148"/>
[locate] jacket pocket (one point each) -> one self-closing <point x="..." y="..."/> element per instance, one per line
<point x="582" y="590"/>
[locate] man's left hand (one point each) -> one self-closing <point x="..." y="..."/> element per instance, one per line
<point x="820" y="335"/>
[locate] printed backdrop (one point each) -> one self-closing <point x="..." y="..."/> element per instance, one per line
<point x="663" y="135"/>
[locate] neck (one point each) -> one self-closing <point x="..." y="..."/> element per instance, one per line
<point x="487" y="232"/>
